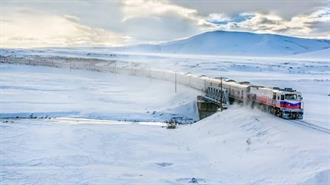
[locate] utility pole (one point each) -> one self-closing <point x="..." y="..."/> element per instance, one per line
<point x="175" y="82"/>
<point x="221" y="95"/>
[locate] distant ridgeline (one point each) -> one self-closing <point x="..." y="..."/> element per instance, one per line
<point x="235" y="43"/>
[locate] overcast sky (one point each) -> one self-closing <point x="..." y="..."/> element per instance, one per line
<point x="42" y="23"/>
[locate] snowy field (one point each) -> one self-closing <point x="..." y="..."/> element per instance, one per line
<point x="85" y="145"/>
<point x="54" y="92"/>
<point x="238" y="146"/>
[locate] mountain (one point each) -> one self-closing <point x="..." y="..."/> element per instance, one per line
<point x="320" y="54"/>
<point x="235" y="43"/>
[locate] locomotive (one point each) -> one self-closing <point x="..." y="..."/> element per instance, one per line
<point x="286" y="103"/>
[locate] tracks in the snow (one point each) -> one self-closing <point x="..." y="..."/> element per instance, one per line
<point x="311" y="126"/>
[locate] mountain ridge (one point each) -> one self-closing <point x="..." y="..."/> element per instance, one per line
<point x="235" y="43"/>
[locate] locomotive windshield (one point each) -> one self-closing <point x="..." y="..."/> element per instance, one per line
<point x="290" y="96"/>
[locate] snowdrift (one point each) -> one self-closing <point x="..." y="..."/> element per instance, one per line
<point x="245" y="146"/>
<point x="319" y="178"/>
<point x="237" y="146"/>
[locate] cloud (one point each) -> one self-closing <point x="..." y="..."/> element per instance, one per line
<point x="141" y="20"/>
<point x="284" y="8"/>
<point x="160" y="20"/>
<point x="315" y="24"/>
<point x="222" y="19"/>
<point x="27" y="28"/>
<point x="150" y="8"/>
<point x="113" y="22"/>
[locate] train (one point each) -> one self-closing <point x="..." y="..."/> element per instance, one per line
<point x="286" y="103"/>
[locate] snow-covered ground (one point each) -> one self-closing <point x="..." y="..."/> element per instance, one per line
<point x="238" y="146"/>
<point x="46" y="91"/>
<point x="324" y="53"/>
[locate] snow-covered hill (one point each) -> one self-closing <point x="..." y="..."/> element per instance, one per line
<point x="239" y="146"/>
<point x="235" y="43"/>
<point x="319" y="54"/>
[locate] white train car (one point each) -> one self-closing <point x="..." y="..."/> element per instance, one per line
<point x="237" y="91"/>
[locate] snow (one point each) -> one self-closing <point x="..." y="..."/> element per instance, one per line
<point x="238" y="146"/>
<point x="235" y="43"/>
<point x="321" y="178"/>
<point x="46" y="91"/>
<point x="90" y="142"/>
<point x="320" y="54"/>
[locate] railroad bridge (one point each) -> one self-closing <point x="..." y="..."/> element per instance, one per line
<point x="215" y="99"/>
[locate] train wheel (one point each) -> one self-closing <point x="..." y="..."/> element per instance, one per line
<point x="272" y="110"/>
<point x="278" y="112"/>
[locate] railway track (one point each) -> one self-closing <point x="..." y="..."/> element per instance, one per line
<point x="310" y="126"/>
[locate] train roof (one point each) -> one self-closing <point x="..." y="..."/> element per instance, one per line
<point x="219" y="88"/>
<point x="245" y="84"/>
<point x="276" y="89"/>
<point x="235" y="84"/>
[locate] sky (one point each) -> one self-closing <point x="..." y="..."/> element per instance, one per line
<point x="75" y="23"/>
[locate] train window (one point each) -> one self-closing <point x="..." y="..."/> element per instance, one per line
<point x="274" y="96"/>
<point x="290" y="96"/>
<point x="282" y="97"/>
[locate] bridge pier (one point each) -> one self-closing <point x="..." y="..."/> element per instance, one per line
<point x="206" y="108"/>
